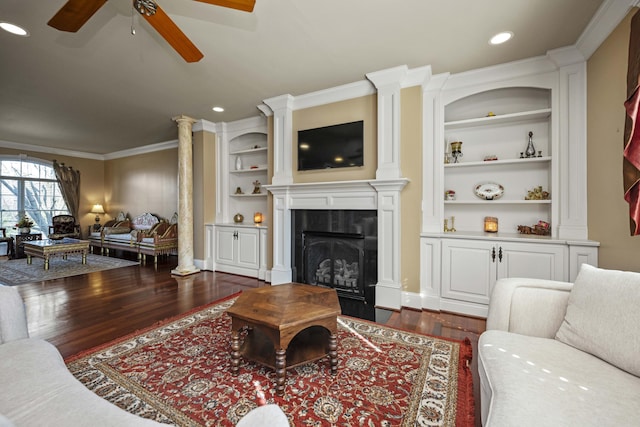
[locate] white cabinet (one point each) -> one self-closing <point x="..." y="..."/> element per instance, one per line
<point x="470" y="268"/>
<point x="238" y="249"/>
<point x="459" y="271"/>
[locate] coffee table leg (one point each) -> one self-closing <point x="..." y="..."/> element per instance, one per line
<point x="235" y="352"/>
<point x="84" y="257"/>
<point x="333" y="354"/>
<point x="46" y="263"/>
<point x="29" y="259"/>
<point x="281" y="370"/>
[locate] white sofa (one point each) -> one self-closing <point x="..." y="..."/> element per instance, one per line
<point x="37" y="389"/>
<point x="562" y="354"/>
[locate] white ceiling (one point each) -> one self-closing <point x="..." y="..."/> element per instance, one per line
<point x="102" y="90"/>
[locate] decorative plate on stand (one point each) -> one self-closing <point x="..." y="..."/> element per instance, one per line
<point x="489" y="190"/>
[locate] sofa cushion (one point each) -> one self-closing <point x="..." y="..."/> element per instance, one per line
<point x="602" y="316"/>
<point x="13" y="319"/>
<point x="530" y="381"/>
<point x="40" y="390"/>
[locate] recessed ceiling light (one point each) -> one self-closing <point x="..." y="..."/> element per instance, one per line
<point x="218" y="109"/>
<point x="501" y="37"/>
<point x="14" y="29"/>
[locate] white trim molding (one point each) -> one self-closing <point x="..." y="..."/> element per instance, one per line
<point x="380" y="195"/>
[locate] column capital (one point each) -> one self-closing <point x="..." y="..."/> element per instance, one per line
<point x="182" y="118"/>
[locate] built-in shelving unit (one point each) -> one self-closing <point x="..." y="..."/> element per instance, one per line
<point x="240" y="248"/>
<point x="502" y="134"/>
<point x="460" y="261"/>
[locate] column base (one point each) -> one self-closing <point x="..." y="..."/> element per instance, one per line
<point x="185" y="271"/>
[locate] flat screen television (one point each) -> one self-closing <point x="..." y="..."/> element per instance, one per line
<point x="336" y="146"/>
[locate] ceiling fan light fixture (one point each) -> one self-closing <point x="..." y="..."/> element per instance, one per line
<point x="14" y="29"/>
<point x="501" y="37"/>
<point x="146" y="7"/>
<point x="218" y="109"/>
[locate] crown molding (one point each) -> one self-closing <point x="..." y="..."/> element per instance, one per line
<point x="50" y="150"/>
<point x="606" y="19"/>
<point x="204" y="125"/>
<point x="142" y="150"/>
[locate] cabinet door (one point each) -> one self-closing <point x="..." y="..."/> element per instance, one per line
<point x="537" y="261"/>
<point x="468" y="270"/>
<point x="247" y="242"/>
<point x="225" y="251"/>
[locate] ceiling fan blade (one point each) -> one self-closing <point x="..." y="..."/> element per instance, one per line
<point x="246" y="5"/>
<point x="173" y="35"/>
<point x="74" y="14"/>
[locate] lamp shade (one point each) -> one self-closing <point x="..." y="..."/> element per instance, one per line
<point x="97" y="209"/>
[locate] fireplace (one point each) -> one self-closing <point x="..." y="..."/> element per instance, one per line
<point x="336" y="249"/>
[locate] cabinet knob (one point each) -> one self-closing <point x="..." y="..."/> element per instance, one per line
<point x="500" y="254"/>
<point x="493" y="254"/>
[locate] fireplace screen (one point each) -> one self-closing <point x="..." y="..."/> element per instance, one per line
<point x="335" y="260"/>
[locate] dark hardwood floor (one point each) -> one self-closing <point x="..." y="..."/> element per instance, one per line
<point x="80" y="312"/>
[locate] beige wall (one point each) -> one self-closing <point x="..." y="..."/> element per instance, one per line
<point x="607" y="210"/>
<point x="204" y="188"/>
<point x="142" y="183"/>
<point x="411" y="204"/>
<point x="331" y="114"/>
<point x="91" y="180"/>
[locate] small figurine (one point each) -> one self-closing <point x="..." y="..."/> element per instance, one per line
<point x="256" y="187"/>
<point x="537" y="194"/>
<point x="239" y="190"/>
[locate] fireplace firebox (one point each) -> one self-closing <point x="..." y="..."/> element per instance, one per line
<point x="334" y="260"/>
<point x="337" y="249"/>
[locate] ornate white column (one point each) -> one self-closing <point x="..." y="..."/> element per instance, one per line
<point x="388" y="84"/>
<point x="185" y="198"/>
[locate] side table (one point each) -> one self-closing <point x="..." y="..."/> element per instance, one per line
<point x="20" y="239"/>
<point x="284" y="326"/>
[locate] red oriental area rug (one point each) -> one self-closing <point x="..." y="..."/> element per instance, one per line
<point x="178" y="372"/>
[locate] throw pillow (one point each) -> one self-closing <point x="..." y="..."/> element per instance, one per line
<point x="603" y="316"/>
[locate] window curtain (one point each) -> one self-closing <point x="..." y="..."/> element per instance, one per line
<point x="69" y="182"/>
<point x="631" y="160"/>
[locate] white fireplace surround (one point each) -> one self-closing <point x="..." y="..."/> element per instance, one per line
<point x="380" y="195"/>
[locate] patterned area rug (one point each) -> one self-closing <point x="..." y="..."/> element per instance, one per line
<point x="179" y="372"/>
<point x="17" y="271"/>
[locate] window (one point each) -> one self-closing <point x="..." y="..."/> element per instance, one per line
<point x="29" y="187"/>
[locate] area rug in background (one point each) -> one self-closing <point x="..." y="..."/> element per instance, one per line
<point x="180" y="372"/>
<point x="17" y="271"/>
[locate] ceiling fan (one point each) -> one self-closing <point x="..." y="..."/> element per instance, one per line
<point x="75" y="13"/>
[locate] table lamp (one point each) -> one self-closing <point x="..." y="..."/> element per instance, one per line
<point x="97" y="209"/>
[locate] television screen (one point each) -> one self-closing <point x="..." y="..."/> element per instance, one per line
<point x="337" y="146"/>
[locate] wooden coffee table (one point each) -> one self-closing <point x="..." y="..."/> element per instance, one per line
<point x="47" y="248"/>
<point x="284" y="326"/>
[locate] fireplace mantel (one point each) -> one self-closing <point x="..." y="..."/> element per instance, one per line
<point x="382" y="195"/>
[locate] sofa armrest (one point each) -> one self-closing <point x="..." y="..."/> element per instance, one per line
<point x="533" y="307"/>
<point x="13" y="318"/>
